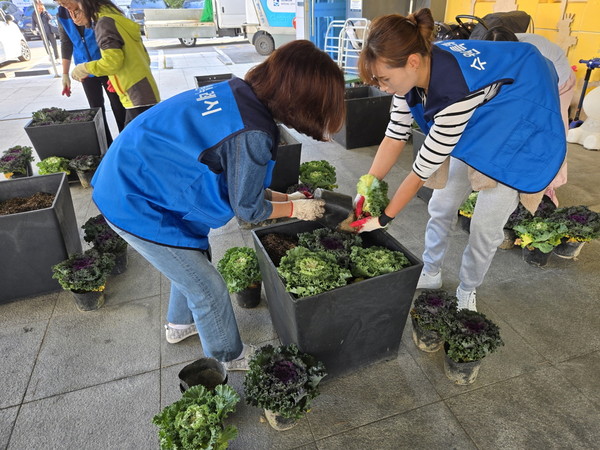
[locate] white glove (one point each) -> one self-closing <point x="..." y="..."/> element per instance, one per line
<point x="296" y="196"/>
<point x="79" y="72"/>
<point x="307" y="209"/>
<point x="366" y="225"/>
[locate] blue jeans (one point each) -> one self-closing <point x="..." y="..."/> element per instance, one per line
<point x="198" y="294"/>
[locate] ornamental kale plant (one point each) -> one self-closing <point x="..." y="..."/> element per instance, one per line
<point x="102" y="237"/>
<point x="471" y="337"/>
<point x="195" y="421"/>
<point x="239" y="268"/>
<point x="84" y="272"/>
<point x="84" y="163"/>
<point x="307" y="272"/>
<point x="318" y="174"/>
<point x="283" y="380"/>
<point x="434" y="310"/>
<point x="582" y="224"/>
<point x="53" y="116"/>
<point x="53" y="164"/>
<point x="468" y="206"/>
<point x="540" y="233"/>
<point x="375" y="192"/>
<point x="16" y="159"/>
<point x="339" y="243"/>
<point x="374" y="261"/>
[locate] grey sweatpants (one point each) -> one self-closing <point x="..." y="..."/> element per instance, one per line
<point x="492" y="210"/>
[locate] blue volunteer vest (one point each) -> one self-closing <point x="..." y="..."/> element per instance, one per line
<point x="518" y="137"/>
<point x="85" y="48"/>
<point x="161" y="179"/>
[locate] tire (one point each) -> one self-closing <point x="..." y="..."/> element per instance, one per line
<point x="25" y="51"/>
<point x="188" y="42"/>
<point x="264" y="44"/>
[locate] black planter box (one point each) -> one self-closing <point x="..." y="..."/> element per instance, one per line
<point x="287" y="162"/>
<point x="205" y="80"/>
<point x="349" y="327"/>
<point x="69" y="139"/>
<point x="417" y="141"/>
<point x="34" y="241"/>
<point x="367" y="117"/>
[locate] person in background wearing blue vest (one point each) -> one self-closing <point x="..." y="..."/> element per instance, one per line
<point x="194" y="161"/>
<point x="80" y="43"/>
<point x="491" y="115"/>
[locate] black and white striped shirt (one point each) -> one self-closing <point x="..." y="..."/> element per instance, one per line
<point x="449" y="124"/>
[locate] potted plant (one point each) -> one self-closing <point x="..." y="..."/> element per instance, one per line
<point x="53" y="164"/>
<point x="239" y="268"/>
<point x="36" y="239"/>
<point x="283" y="381"/>
<point x="431" y="315"/>
<point x="105" y="240"/>
<point x="195" y="421"/>
<point x="465" y="211"/>
<point x="16" y="162"/>
<point x="538" y="237"/>
<point x="85" y="166"/>
<point x="58" y="132"/>
<point x="318" y="174"/>
<point x="375" y="193"/>
<point x="84" y="274"/>
<point x="470" y="337"/>
<point x="582" y="224"/>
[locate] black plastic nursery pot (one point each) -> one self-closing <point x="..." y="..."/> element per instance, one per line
<point x="249" y="297"/>
<point x="535" y="257"/>
<point x="287" y="161"/>
<point x="34" y="241"/>
<point x="367" y="117"/>
<point x="207" y="372"/>
<point x="349" y="327"/>
<point x="205" y="80"/>
<point x="69" y="139"/>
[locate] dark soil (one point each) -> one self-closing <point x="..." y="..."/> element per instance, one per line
<point x="277" y="244"/>
<point x="39" y="200"/>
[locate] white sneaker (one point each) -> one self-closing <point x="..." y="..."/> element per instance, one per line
<point x="175" y="335"/>
<point x="428" y="281"/>
<point x="241" y="363"/>
<point x="466" y="299"/>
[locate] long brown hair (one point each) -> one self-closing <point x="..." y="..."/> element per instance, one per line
<point x="302" y="87"/>
<point x="91" y="8"/>
<point x="393" y="38"/>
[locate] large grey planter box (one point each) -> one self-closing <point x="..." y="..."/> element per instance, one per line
<point x="32" y="242"/>
<point x="287" y="162"/>
<point x="367" y="117"/>
<point x="69" y="139"/>
<point x="418" y="138"/>
<point x="349" y="327"/>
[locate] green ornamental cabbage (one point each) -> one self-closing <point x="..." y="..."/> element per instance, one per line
<point x="374" y="261"/>
<point x="338" y="243"/>
<point x="375" y="192"/>
<point x="53" y="164"/>
<point x="318" y="174"/>
<point x="307" y="272"/>
<point x="468" y="206"/>
<point x="540" y="233"/>
<point x="239" y="268"/>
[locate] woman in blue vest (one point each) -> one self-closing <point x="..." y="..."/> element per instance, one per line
<point x="194" y="161"/>
<point x="80" y="43"/>
<point x="491" y="115"/>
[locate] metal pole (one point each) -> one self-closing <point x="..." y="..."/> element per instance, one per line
<point x="44" y="37"/>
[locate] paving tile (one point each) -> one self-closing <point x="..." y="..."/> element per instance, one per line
<point x="583" y="372"/>
<point x="19" y="347"/>
<point x="114" y="415"/>
<point x="7" y="421"/>
<point x="84" y="349"/>
<point x="429" y="427"/>
<point x="537" y="410"/>
<point x="28" y="309"/>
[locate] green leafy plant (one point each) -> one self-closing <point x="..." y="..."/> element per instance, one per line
<point x="338" y="243"/>
<point x="318" y="174"/>
<point x="53" y="116"/>
<point x="53" y="164"/>
<point x="239" y="268"/>
<point x="468" y="206"/>
<point x="471" y="337"/>
<point x="195" y="421"/>
<point x="15" y="160"/>
<point x="283" y="380"/>
<point x="375" y="192"/>
<point x="543" y="234"/>
<point x="434" y="310"/>
<point x="582" y="224"/>
<point x="307" y="272"/>
<point x="84" y="272"/>
<point x="374" y="261"/>
<point x="84" y="163"/>
<point x="102" y="237"/>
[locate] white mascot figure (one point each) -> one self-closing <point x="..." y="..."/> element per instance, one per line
<point x="588" y="134"/>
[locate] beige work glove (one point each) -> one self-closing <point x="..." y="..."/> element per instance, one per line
<point x="66" y="84"/>
<point x="307" y="209"/>
<point x="80" y="72"/>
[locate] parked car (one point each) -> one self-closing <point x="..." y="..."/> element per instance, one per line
<point x="136" y="10"/>
<point x="15" y="11"/>
<point x="13" y="45"/>
<point x="30" y="32"/>
<point x="194" y="4"/>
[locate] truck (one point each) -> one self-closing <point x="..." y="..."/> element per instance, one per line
<point x="267" y="24"/>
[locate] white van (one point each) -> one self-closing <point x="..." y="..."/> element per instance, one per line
<point x="13" y="45"/>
